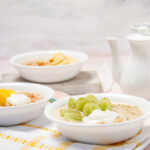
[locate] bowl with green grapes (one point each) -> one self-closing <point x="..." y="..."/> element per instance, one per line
<point x="99" y="118"/>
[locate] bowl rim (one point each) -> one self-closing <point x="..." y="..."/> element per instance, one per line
<point x="30" y="104"/>
<point x="13" y="58"/>
<point x="49" y="117"/>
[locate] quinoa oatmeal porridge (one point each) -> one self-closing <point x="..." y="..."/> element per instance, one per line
<point x="91" y="110"/>
<point x="16" y="98"/>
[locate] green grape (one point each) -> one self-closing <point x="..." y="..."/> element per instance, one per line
<point x="80" y="103"/>
<point x="105" y="104"/>
<point x="92" y="99"/>
<point x="73" y="117"/>
<point x="72" y="103"/>
<point x="64" y="111"/>
<point x="89" y="107"/>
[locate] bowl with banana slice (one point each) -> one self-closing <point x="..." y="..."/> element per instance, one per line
<point x="49" y="66"/>
<point x="99" y="118"/>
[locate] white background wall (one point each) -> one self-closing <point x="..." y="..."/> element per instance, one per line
<point x="66" y="24"/>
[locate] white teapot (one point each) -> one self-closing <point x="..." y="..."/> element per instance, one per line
<point x="133" y="76"/>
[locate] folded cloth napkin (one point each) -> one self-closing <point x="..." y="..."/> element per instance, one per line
<point x="105" y="76"/>
<point x="41" y="134"/>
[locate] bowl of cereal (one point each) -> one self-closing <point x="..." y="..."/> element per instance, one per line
<point x="99" y="118"/>
<point x="49" y="66"/>
<point x="22" y="102"/>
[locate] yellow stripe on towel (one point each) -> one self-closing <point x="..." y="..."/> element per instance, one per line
<point x="120" y="143"/>
<point x="55" y="134"/>
<point x="117" y="145"/>
<point x="64" y="145"/>
<point x="100" y="148"/>
<point x="33" y="143"/>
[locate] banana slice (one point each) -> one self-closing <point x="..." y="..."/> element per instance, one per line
<point x="57" y="60"/>
<point x="65" y="61"/>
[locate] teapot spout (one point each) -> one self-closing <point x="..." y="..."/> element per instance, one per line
<point x="117" y="65"/>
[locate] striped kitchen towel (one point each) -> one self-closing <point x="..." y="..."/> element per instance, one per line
<point x="41" y="134"/>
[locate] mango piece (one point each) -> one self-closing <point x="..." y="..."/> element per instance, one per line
<point x="4" y="94"/>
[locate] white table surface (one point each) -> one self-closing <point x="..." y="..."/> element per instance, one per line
<point x="93" y="63"/>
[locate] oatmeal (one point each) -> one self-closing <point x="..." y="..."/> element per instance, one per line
<point x="90" y="110"/>
<point x="34" y="97"/>
<point x="14" y="98"/>
<point x="126" y="112"/>
<point x="57" y="59"/>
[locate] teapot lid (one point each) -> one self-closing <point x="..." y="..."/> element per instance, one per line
<point x="142" y="33"/>
<point x="141" y="28"/>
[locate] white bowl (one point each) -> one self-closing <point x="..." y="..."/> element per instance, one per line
<point x="101" y="134"/>
<point x="48" y="74"/>
<point x="13" y="115"/>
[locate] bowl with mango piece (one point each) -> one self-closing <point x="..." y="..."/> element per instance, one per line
<point x="22" y="102"/>
<point x="99" y="118"/>
<point x="49" y="66"/>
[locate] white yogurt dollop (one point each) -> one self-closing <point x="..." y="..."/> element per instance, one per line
<point x="97" y="116"/>
<point x="18" y="99"/>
